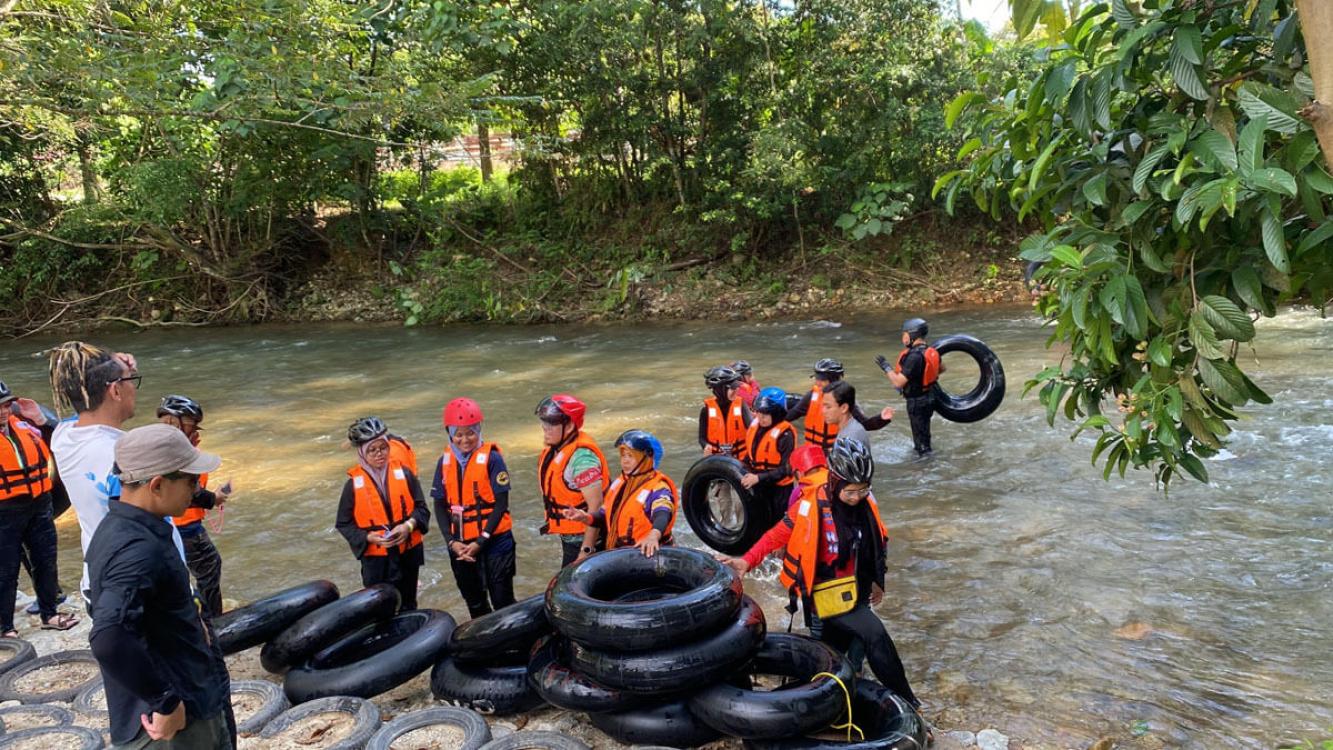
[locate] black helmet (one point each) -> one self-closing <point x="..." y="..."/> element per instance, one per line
<point x="721" y="376"/>
<point x="6" y="395"/>
<point x="182" y="407"/>
<point x="366" y="429"/>
<point x="742" y="367"/>
<point x="830" y="369"/>
<point x="850" y="460"/>
<point x="916" y="328"/>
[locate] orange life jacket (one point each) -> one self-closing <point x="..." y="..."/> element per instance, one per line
<point x="474" y="502"/>
<point x="192" y="515"/>
<point x="628" y="520"/>
<point x="368" y="507"/>
<point x="812" y="480"/>
<point x="812" y="525"/>
<point x="25" y="462"/>
<point x="557" y="495"/>
<point x="932" y="372"/>
<point x="726" y="431"/>
<point x="765" y="455"/>
<point x="402" y="450"/>
<point x="818" y="431"/>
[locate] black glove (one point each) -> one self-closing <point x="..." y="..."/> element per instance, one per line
<point x="883" y="363"/>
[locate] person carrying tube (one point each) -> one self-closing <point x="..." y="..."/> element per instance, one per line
<point x="820" y="429"/>
<point x="748" y="389"/>
<point x="640" y="507"/>
<point x="201" y="556"/>
<point x="914" y="375"/>
<point x="724" y="416"/>
<point x="768" y="447"/>
<point x="381" y="513"/>
<point x="471" y="491"/>
<point x="572" y="473"/>
<point x="835" y="562"/>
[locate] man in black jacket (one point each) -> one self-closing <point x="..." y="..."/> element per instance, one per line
<point x="166" y="682"/>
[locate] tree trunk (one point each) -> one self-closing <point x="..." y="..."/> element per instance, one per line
<point x="1317" y="27"/>
<point x="484" y="149"/>
<point x="86" y="171"/>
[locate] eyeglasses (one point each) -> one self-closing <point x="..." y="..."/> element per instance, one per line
<point x="860" y="494"/>
<point x="136" y="379"/>
<point x="379" y="448"/>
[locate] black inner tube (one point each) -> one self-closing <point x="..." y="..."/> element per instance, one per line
<point x="986" y="396"/>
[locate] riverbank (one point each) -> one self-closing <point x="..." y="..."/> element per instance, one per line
<point x="415" y="695"/>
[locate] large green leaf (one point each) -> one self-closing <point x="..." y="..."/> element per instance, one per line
<point x="1260" y="101"/>
<point x="1250" y="288"/>
<point x="1039" y="166"/>
<point x="1190" y="42"/>
<point x="1146" y="166"/>
<point x="1225" y="380"/>
<point x="1215" y="150"/>
<point x="1273" y="180"/>
<point x="1320" y="236"/>
<point x="956" y="107"/>
<point x="1025" y="14"/>
<point x="1226" y="318"/>
<point x="1275" y="241"/>
<point x="1124" y="17"/>
<point x="1095" y="190"/>
<point x="1203" y="338"/>
<point x="1252" y="145"/>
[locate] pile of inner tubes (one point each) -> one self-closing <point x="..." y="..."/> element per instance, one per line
<point x="666" y="651"/>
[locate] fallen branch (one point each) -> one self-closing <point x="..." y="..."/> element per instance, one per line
<point x="149" y="324"/>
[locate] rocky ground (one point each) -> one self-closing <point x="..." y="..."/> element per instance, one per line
<point x="416" y="695"/>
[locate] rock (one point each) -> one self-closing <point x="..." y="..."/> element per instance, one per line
<point x="955" y="740"/>
<point x="990" y="739"/>
<point x="1134" y="631"/>
<point x="1105" y="743"/>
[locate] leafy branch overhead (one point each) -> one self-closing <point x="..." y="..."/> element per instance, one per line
<point x="1168" y="152"/>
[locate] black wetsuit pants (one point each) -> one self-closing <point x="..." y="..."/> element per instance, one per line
<point x="840" y="632"/>
<point x="401" y="569"/>
<point x="205" y="564"/>
<point x="919" y="411"/>
<point x="487" y="583"/>
<point x="26" y="525"/>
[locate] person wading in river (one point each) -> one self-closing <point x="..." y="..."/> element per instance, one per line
<point x="471" y="491"/>
<point x="748" y="389"/>
<point x="201" y="556"/>
<point x="768" y="447"/>
<point x="914" y="374"/>
<point x="572" y="473"/>
<point x="640" y="506"/>
<point x="382" y="514"/>
<point x="835" y="561"/>
<point x="840" y="407"/>
<point x="724" y="416"/>
<point x="819" y="430"/>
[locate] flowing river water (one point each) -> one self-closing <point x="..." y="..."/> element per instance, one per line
<point x="1024" y="592"/>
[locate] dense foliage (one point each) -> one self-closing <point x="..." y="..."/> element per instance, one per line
<point x="222" y="149"/>
<point x="1182" y="195"/>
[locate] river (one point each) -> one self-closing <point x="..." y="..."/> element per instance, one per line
<point x="1025" y="593"/>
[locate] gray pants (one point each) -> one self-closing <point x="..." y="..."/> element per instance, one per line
<point x="200" y="734"/>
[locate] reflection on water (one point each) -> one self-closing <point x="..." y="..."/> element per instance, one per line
<point x="1024" y="591"/>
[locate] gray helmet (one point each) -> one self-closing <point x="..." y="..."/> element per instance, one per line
<point x="182" y="407"/>
<point x="366" y="429"/>
<point x="916" y="328"/>
<point x="830" y="369"/>
<point x="850" y="460"/>
<point x="721" y="375"/>
<point x="742" y="367"/>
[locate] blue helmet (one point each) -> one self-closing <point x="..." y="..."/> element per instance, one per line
<point x="644" y="442"/>
<point x="772" y="401"/>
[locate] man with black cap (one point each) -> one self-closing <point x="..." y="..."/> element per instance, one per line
<point x="914" y="374"/>
<point x="166" y="682"/>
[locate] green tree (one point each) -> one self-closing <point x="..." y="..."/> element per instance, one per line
<point x="1181" y="195"/>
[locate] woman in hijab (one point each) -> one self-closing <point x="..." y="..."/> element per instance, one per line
<point x="381" y="514"/>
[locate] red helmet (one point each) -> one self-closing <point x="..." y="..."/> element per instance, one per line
<point x="562" y="407"/>
<point x="807" y="457"/>
<point x="462" y="412"/>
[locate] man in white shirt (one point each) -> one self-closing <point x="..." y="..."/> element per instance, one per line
<point x="100" y="387"/>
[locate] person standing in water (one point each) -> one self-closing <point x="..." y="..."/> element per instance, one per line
<point x="381" y="513"/>
<point x="471" y="491"/>
<point x="572" y="473"/>
<point x="201" y="556"/>
<point x="840" y="407"/>
<point x="748" y="389"/>
<point x="818" y="429"/>
<point x="914" y="374"/>
<point x="724" y="416"/>
<point x="640" y="507"/>
<point x="768" y="447"/>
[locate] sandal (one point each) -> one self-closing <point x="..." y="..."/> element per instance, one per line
<point x="11" y="633"/>
<point x="60" y="621"/>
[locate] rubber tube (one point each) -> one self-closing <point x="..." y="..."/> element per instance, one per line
<point x="985" y="397"/>
<point x="756" y="516"/>
<point x="254" y="624"/>
<point x="375" y="659"/>
<point x="324" y="626"/>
